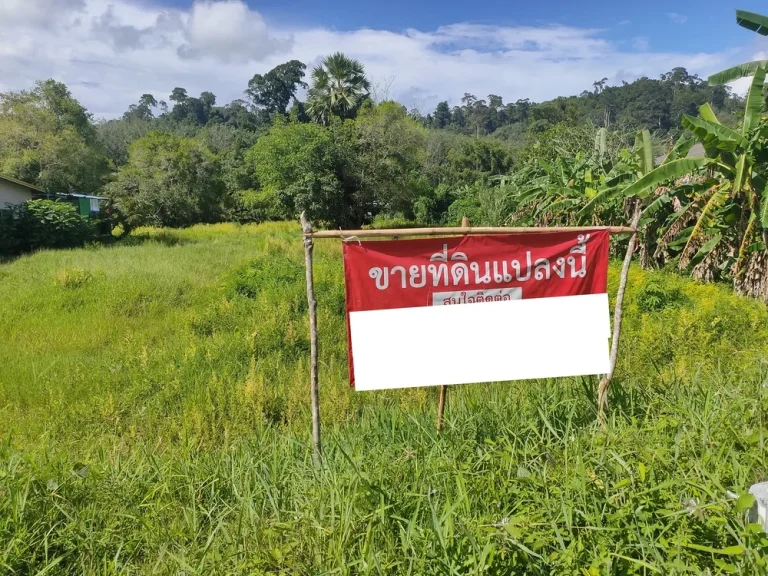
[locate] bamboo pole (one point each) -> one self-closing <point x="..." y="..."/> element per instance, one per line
<point x="605" y="383"/>
<point x="462" y="230"/>
<point x="312" y="304"/>
<point x="444" y="388"/>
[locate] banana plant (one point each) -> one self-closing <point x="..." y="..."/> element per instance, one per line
<point x="636" y="176"/>
<point x="556" y="190"/>
<point x="720" y="213"/>
<point x="751" y="21"/>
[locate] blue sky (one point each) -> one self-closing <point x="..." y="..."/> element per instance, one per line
<point x="680" y="25"/>
<point x="109" y="52"/>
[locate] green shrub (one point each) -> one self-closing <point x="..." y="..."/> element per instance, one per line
<point x="655" y="296"/>
<point x="40" y="224"/>
<point x="381" y="221"/>
<point x="258" y="206"/>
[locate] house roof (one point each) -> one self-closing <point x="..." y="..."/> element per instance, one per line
<point x="21" y="183"/>
<point x="41" y="191"/>
<point x="84" y="196"/>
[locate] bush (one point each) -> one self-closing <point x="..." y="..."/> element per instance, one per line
<point x="168" y="181"/>
<point x="258" y="206"/>
<point x="40" y="224"/>
<point x="655" y="295"/>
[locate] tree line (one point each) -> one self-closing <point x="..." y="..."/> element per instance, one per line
<point x="655" y="104"/>
<point x="339" y="154"/>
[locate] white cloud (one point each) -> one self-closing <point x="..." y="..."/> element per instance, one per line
<point x="624" y="22"/>
<point x="640" y="43"/>
<point x="42" y="13"/>
<point x="228" y="31"/>
<point x="677" y="18"/>
<point x="109" y="52"/>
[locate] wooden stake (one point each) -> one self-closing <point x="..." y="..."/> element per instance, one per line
<point x="605" y="383"/>
<point x="441" y="407"/>
<point x="444" y="388"/>
<point x="312" y="304"/>
<point x="463" y="230"/>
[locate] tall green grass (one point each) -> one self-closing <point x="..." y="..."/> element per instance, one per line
<point x="154" y="419"/>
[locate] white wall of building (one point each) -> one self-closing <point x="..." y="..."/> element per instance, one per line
<point x="12" y="193"/>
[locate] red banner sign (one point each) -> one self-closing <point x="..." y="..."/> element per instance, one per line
<point x="392" y="274"/>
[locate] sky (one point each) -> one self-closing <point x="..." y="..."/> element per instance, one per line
<point x="110" y="52"/>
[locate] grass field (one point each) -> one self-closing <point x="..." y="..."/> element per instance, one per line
<point x="154" y="419"/>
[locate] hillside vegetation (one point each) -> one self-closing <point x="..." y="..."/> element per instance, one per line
<point x="154" y="418"/>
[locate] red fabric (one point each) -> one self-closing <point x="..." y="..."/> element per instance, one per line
<point x="466" y="269"/>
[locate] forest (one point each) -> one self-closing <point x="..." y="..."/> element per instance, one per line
<point x="346" y="158"/>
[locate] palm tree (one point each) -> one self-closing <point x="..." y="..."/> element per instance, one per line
<point x="339" y="87"/>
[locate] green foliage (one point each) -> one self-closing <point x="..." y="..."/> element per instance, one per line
<point x="115" y="136"/>
<point x="756" y="23"/>
<point x="39" y="224"/>
<point x="390" y="154"/>
<point x="656" y="295"/>
<point x="142" y="110"/>
<point x="308" y="167"/>
<point x="155" y="420"/>
<point x="713" y="135"/>
<point x="274" y="90"/>
<point x="339" y="87"/>
<point x="168" y="181"/>
<point x="484" y="204"/>
<point x="664" y="173"/>
<point x="478" y="158"/>
<point x="46" y="139"/>
<point x="258" y="206"/>
<point x="754" y="101"/>
<point x="383" y="221"/>
<point x="736" y="72"/>
<point x="654" y="104"/>
<point x="720" y="220"/>
<point x="751" y="21"/>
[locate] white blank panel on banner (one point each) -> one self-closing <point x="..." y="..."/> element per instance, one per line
<point x="481" y="342"/>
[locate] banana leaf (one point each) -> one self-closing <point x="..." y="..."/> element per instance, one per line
<point x="682" y="238"/>
<point x="706" y="112"/>
<point x="656" y="206"/>
<point x="741" y="169"/>
<point x="664" y="173"/>
<point x="566" y="203"/>
<point x="616" y="180"/>
<point x="644" y="148"/>
<point x="736" y="72"/>
<point x="751" y="21"/>
<point x="599" y="199"/>
<point x="745" y="241"/>
<point x="754" y="101"/>
<point x="600" y="143"/>
<point x="764" y="210"/>
<point x="713" y="136"/>
<point x="706" y="219"/>
<point x="547" y="167"/>
<point x="708" y="246"/>
<point x="680" y="150"/>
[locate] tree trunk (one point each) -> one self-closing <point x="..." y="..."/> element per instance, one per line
<point x="753" y="280"/>
<point x="312" y="305"/>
